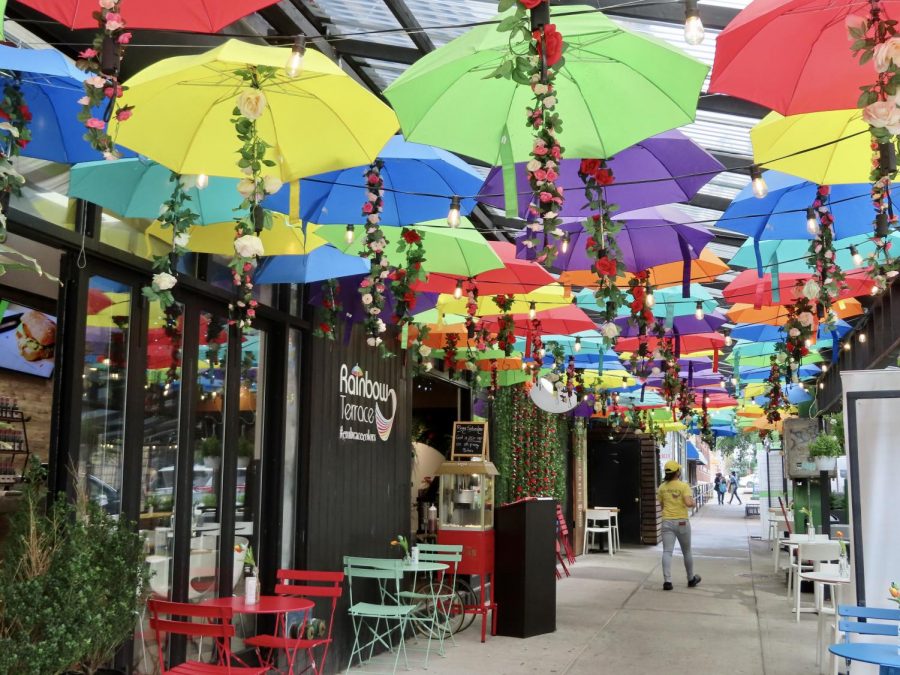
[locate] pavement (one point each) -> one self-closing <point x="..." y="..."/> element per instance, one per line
<point x="613" y="616"/>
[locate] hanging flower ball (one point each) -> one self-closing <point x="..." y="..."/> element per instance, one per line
<point x="163" y="281"/>
<point x="249" y="246"/>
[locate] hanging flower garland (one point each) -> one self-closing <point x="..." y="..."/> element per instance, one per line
<point x="601" y="244"/>
<point x="372" y="287"/>
<point x="641" y="363"/>
<point x="641" y="314"/>
<point x="421" y="351"/>
<point x="775" y="399"/>
<point x="250" y="106"/>
<point x="15" y="116"/>
<point x="451" y="340"/>
<point x="800" y="325"/>
<point x="685" y="404"/>
<point x="671" y="382"/>
<point x="506" y="325"/>
<point x="875" y="39"/>
<point x="495" y="387"/>
<point x="102" y="59"/>
<point x="328" y="312"/>
<point x="705" y="429"/>
<point x="828" y="280"/>
<point x="536" y="348"/>
<point x="470" y="290"/>
<point x="402" y="279"/>
<point x="178" y="215"/>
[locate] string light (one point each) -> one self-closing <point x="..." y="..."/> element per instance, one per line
<point x="564" y="247"/>
<point x="824" y="367"/>
<point x="350" y="235"/>
<point x="649" y="300"/>
<point x="202" y="181"/>
<point x="457" y="292"/>
<point x="808" y="343"/>
<point x="812" y="222"/>
<point x="821" y="385"/>
<point x="532" y="311"/>
<point x="862" y="337"/>
<point x="693" y="26"/>
<point x="699" y="311"/>
<point x="842" y="305"/>
<point x="453" y="213"/>
<point x="847" y="346"/>
<point x="857" y="258"/>
<point x="758" y="183"/>
<point x="294" y="65"/>
<point x="542" y="352"/>
<point x="578" y="344"/>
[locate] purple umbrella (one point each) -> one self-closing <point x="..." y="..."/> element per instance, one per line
<point x="351" y="304"/>
<point x="682" y="325"/>
<point x="652" y="236"/>
<point x="671" y="159"/>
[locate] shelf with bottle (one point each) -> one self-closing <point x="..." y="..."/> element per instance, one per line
<point x="14" y="451"/>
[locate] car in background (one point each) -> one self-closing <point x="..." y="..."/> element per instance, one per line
<point x="163" y="485"/>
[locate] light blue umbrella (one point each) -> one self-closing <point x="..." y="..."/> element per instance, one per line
<point x="51" y="86"/>
<point x="755" y="332"/>
<point x="757" y="374"/>
<point x="789" y="255"/>
<point x="794" y="392"/>
<point x="325" y="262"/>
<point x="425" y="178"/>
<point x="668" y="302"/>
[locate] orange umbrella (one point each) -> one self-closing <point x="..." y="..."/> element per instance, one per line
<point x="776" y="315"/>
<point x="704" y="269"/>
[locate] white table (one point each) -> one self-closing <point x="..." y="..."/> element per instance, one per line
<point x="793" y="542"/>
<point x="823" y="578"/>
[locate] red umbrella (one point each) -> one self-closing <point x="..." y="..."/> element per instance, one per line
<point x="97" y="301"/>
<point x="748" y="287"/>
<point x="557" y="321"/>
<point x="695" y="342"/>
<point x="776" y="52"/>
<point x="205" y="16"/>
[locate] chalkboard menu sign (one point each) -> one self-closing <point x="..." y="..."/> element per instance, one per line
<point x="469" y="440"/>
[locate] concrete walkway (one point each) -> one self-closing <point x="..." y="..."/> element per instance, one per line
<point x="613" y="616"/>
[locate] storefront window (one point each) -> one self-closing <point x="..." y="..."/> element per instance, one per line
<point x="249" y="443"/>
<point x="291" y="440"/>
<point x="101" y="447"/>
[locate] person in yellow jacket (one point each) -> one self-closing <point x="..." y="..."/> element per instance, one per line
<point x="676" y="497"/>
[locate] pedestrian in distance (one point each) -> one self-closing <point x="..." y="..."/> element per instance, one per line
<point x="716" y="483"/>
<point x="733" y="481"/>
<point x="723" y="488"/>
<point x="675" y="497"/>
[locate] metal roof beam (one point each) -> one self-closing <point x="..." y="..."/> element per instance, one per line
<point x="408" y="20"/>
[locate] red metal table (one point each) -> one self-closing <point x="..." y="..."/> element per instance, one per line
<point x="267" y="604"/>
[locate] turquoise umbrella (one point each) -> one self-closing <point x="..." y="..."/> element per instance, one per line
<point x="668" y="303"/>
<point x="789" y="255"/>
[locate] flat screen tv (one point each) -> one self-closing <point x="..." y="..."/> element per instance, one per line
<point x="27" y="339"/>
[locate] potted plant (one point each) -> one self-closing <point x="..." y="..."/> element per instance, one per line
<point x="825" y="449"/>
<point x="245" y="450"/>
<point x="210" y="449"/>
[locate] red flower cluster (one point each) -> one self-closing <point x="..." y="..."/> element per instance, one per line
<point x="552" y="40"/>
<point x="606" y="266"/>
<point x="596" y="169"/>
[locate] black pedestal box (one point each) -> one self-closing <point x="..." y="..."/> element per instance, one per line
<point x="525" y="568"/>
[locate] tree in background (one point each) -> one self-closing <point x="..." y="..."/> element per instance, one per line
<point x="739" y="452"/>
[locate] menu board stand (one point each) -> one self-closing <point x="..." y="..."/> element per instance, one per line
<point x="469" y="440"/>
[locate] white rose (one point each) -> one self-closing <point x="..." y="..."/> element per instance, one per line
<point x="806" y="318"/>
<point x="108" y="4"/>
<point x="182" y="239"/>
<point x="550" y="101"/>
<point x="886" y="54"/>
<point x="540" y="88"/>
<point x="374" y="311"/>
<point x="811" y="289"/>
<point x="793" y="332"/>
<point x="163" y="281"/>
<point x="249" y="246"/>
<point x="424" y="350"/>
<point x="272" y="184"/>
<point x="883" y="114"/>
<point x="428" y="367"/>
<point x="372" y="341"/>
<point x="6" y="126"/>
<point x="610" y="330"/>
<point x="252" y="103"/>
<point x="367" y="299"/>
<point x="246" y="187"/>
<point x="533" y="165"/>
<point x="382" y="326"/>
<point x="655" y="370"/>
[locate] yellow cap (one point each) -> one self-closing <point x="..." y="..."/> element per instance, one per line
<point x="672" y="466"/>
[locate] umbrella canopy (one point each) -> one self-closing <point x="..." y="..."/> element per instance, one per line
<point x="183" y="111"/>
<point x="750" y="350"/>
<point x="325" y="262"/>
<point x="848" y="161"/>
<point x="413" y="176"/>
<point x="668" y="302"/>
<point x="704" y="269"/>
<point x="207" y="16"/>
<point x="283" y="238"/>
<point x="793" y="42"/>
<point x="652" y="236"/>
<point x="544" y="298"/>
<point x="777" y="315"/>
<point x="795" y="394"/>
<point x="757" y="374"/>
<point x="765" y="333"/>
<point x="790" y="255"/>
<point x="615" y="89"/>
<point x="135" y="188"/>
<point x="687" y="343"/>
<point x="781" y="214"/>
<point x="764" y="359"/>
<point x="568" y="319"/>
<point x="461" y="251"/>
<point x="680" y="325"/>
<point x="749" y="287"/>
<point x="674" y="165"/>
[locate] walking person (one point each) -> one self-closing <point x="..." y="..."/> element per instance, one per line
<point x="733" y="482"/>
<point x="676" y="497"/>
<point x="723" y="488"/>
<point x="717" y="488"/>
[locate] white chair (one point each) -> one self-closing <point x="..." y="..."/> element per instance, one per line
<point x="594" y="520"/>
<point x="790" y="546"/>
<point x="810" y="556"/>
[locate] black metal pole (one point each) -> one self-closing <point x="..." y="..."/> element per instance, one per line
<point x="825" y="501"/>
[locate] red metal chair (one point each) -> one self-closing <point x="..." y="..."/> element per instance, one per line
<point x="218" y="627"/>
<point x="563" y="533"/>
<point x="305" y="584"/>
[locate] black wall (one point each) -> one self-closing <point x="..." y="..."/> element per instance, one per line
<point x="358" y="492"/>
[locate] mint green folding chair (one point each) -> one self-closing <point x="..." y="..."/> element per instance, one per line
<point x="437" y="601"/>
<point x="377" y="620"/>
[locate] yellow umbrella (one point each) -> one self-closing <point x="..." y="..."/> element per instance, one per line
<point x="609" y="379"/>
<point x="321" y="120"/>
<point x="283" y="238"/>
<point x="546" y="297"/>
<point x="847" y="161"/>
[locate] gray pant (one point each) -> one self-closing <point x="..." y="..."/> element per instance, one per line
<point x="680" y="530"/>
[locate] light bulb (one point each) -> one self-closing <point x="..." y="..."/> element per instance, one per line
<point x="564" y="247"/>
<point x="578" y="344"/>
<point x="808" y="343"/>
<point x="202" y="181"/>
<point x="728" y="340"/>
<point x="842" y="305"/>
<point x="722" y="384"/>
<point x="824" y="367"/>
<point x="532" y="311"/>
<point x="542" y="352"/>
<point x="821" y="385"/>
<point x="699" y="311"/>
<point x="734" y="380"/>
<point x="857" y="258"/>
<point x="862" y="337"/>
<point x="457" y="292"/>
<point x="693" y="26"/>
<point x="453" y="213"/>
<point x="847" y="346"/>
<point x="294" y="65"/>
<point x="758" y="183"/>
<point x="812" y="222"/>
<point x="649" y="300"/>
<point x="349" y="235"/>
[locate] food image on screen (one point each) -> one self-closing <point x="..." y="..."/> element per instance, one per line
<point x="36" y="336"/>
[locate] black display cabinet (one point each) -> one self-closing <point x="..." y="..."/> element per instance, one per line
<point x="525" y="568"/>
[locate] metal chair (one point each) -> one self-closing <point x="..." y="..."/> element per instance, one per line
<point x="870" y="615"/>
<point x="809" y="557"/>
<point x="437" y="598"/>
<point x="304" y="584"/>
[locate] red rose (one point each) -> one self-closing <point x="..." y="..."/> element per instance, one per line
<point x="604" y="177"/>
<point x="25" y="112"/>
<point x="21" y="142"/>
<point x="530" y="4"/>
<point x="638" y="293"/>
<point x="589" y="167"/>
<point x="554" y="42"/>
<point x="4" y="114"/>
<point x="411" y="237"/>
<point x="606" y="266"/>
<point x="324" y="327"/>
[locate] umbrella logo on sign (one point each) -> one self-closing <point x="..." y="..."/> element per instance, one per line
<point x="384" y="424"/>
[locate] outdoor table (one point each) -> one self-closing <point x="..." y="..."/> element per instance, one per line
<point x="881" y="654"/>
<point x="429" y="568"/>
<point x="793" y="542"/>
<point x="822" y="578"/>
<point x="279" y="605"/>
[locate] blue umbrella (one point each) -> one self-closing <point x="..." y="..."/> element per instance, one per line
<point x="766" y="333"/>
<point x="325" y="262"/>
<point x="723" y="431"/>
<point x="51" y="86"/>
<point x="794" y="392"/>
<point x="432" y="176"/>
<point x="758" y="374"/>
<point x="782" y="213"/>
<point x="790" y="255"/>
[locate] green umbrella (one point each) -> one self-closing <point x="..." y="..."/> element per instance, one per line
<point x="461" y="251"/>
<point x="616" y="88"/>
